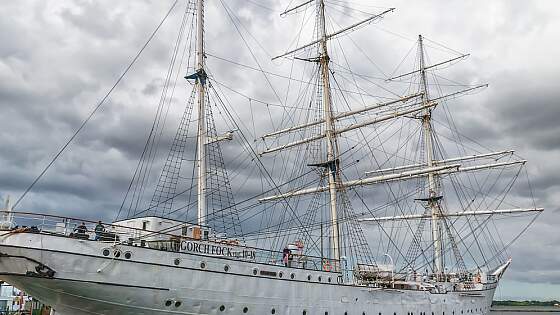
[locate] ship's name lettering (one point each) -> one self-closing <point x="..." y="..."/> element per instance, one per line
<point x="217" y="250"/>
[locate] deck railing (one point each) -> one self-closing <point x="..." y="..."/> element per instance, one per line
<point x="169" y="239"/>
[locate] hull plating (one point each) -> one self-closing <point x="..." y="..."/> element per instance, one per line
<point x="160" y="282"/>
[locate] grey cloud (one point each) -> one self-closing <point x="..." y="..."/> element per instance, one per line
<point x="58" y="59"/>
<point x="95" y="18"/>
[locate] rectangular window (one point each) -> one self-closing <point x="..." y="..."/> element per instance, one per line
<point x="268" y="273"/>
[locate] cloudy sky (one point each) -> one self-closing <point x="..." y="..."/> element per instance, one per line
<point x="58" y="58"/>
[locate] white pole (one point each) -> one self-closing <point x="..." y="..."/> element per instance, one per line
<point x="9" y="217"/>
<point x="201" y="83"/>
<point x="332" y="167"/>
<point x="392" y="270"/>
<point x="432" y="203"/>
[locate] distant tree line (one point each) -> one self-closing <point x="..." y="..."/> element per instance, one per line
<point x="525" y="303"/>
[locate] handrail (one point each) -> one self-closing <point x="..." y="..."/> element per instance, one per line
<point x="262" y="256"/>
<point x="75" y="221"/>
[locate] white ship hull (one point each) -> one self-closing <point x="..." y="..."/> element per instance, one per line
<point x="155" y="282"/>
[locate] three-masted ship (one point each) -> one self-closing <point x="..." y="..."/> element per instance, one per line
<point x="298" y="244"/>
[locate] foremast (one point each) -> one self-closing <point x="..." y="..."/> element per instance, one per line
<point x="201" y="134"/>
<point x="433" y="197"/>
<point x="332" y="163"/>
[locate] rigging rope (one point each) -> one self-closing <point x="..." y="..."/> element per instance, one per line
<point x="96" y="108"/>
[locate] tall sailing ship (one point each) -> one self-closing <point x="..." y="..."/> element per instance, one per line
<point x="343" y="206"/>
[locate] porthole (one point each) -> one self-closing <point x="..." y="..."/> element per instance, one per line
<point x="222" y="308"/>
<point x="178" y="304"/>
<point x="272" y="311"/>
<point x="106" y="252"/>
<point x="128" y="255"/>
<point x="304" y="312"/>
<point x="226" y="268"/>
<point x="280" y="274"/>
<point x="329" y="279"/>
<point x="345" y="313"/>
<point x="363" y="313"/>
<point x="308" y="277"/>
<point x="202" y="265"/>
<point x="319" y="278"/>
<point x="245" y="309"/>
<point x="168" y="303"/>
<point x="255" y="271"/>
<point x="117" y="253"/>
<point x="292" y="276"/>
<point x="177" y="262"/>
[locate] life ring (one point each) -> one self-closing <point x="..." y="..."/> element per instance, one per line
<point x="327" y="266"/>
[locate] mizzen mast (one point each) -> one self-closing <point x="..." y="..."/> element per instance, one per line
<point x="201" y="134"/>
<point x="433" y="197"/>
<point x="332" y="163"/>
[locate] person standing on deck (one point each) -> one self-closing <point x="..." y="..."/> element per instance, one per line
<point x="99" y="230"/>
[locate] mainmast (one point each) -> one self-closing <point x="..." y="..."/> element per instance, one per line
<point x="330" y="134"/>
<point x="202" y="133"/>
<point x="432" y="187"/>
<point x="332" y="163"/>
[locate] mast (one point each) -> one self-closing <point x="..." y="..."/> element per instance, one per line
<point x="332" y="147"/>
<point x="201" y="134"/>
<point x="432" y="198"/>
